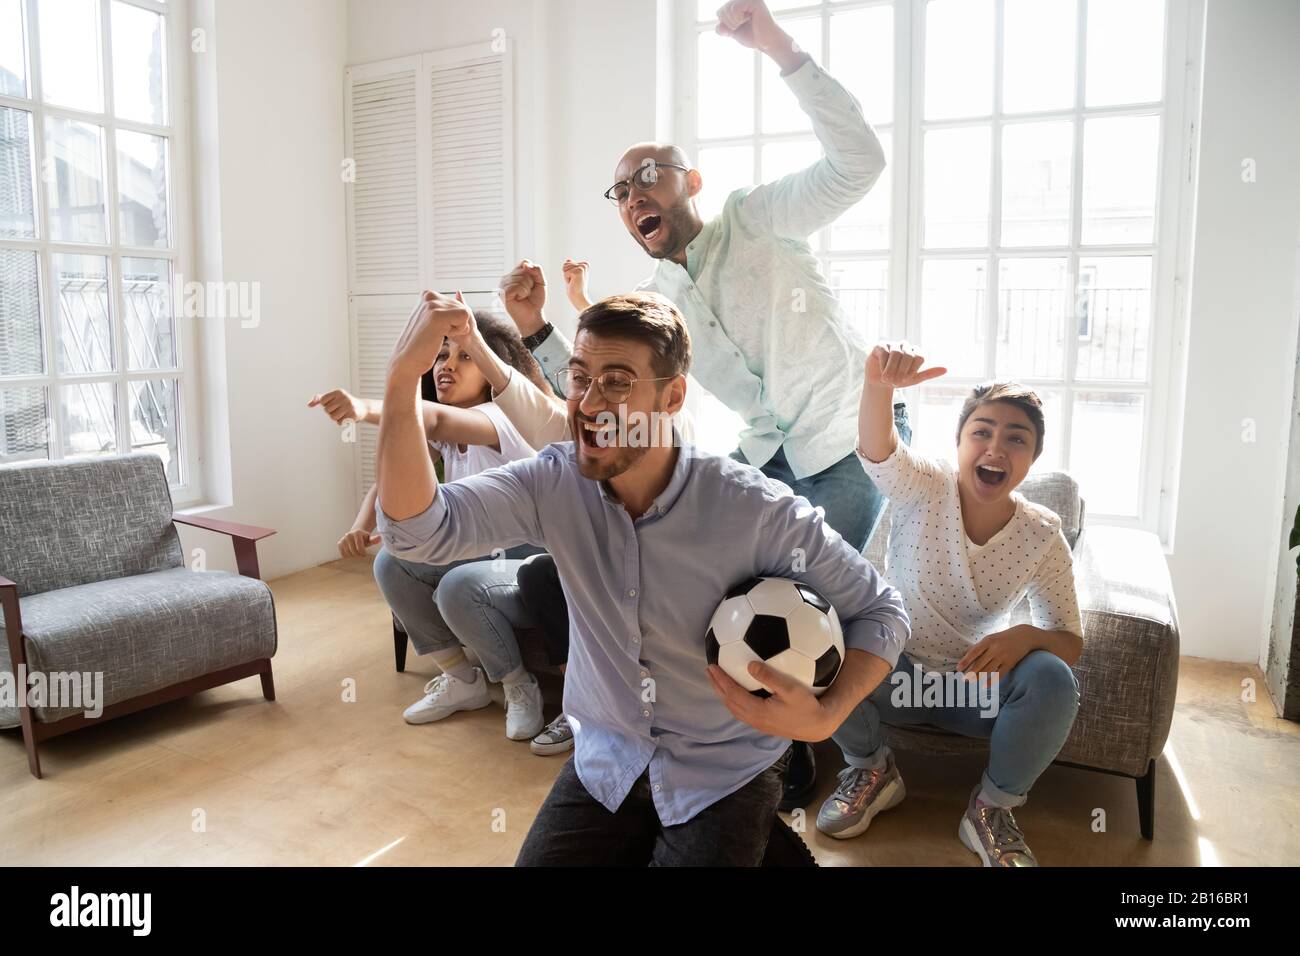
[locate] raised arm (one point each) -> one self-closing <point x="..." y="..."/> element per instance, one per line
<point x="406" y="477"/>
<point x="575" y="283"/>
<point x="889" y="366"/>
<point x="523" y="292"/>
<point x="801" y="203"/>
<point x="418" y="519"/>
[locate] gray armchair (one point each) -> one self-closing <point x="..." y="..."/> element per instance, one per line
<point x="95" y="583"/>
<point x="1128" y="673"/>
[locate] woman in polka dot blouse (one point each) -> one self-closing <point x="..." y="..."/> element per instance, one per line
<point x="965" y="548"/>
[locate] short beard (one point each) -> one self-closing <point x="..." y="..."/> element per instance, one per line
<point x="625" y="460"/>
<point x="677" y="222"/>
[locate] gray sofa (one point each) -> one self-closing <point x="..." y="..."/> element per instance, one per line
<point x="93" y="581"/>
<point x="1128" y="673"/>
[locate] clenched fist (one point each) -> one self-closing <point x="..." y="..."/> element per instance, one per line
<point x="750" y="23"/>
<point x="575" y="283"/>
<point x="434" y="319"/>
<point x="523" y="292"/>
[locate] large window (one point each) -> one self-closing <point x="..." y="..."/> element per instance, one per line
<point x="90" y="348"/>
<point x="1027" y="224"/>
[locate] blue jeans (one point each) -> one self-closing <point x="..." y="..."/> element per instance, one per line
<point x="436" y="621"/>
<point x="480" y="602"/>
<point x="1036" y="705"/>
<point x="849" y="499"/>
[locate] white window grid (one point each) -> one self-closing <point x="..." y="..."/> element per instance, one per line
<point x="174" y="132"/>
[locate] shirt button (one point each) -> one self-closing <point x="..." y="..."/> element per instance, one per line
<point x="644" y="672"/>
<point x="712" y="323"/>
<point x="631" y="592"/>
<point x="657" y="788"/>
<point x="636" y="639"/>
<point x="546" y="358"/>
<point x="645" y="713"/>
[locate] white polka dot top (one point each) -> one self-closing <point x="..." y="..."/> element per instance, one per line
<point x="957" y="593"/>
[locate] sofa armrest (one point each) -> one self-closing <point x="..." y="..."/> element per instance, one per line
<point x="243" y="536"/>
<point x="1128" y="672"/>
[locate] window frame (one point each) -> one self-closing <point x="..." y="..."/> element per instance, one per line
<point x="178" y="252"/>
<point x="1169" y="248"/>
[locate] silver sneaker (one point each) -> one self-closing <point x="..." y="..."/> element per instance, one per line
<point x="861" y="795"/>
<point x="557" y="738"/>
<point x="992" y="834"/>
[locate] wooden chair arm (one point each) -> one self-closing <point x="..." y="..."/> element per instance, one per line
<point x="243" y="536"/>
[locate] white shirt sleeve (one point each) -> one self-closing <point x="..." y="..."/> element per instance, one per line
<point x="906" y="476"/>
<point x="1053" y="600"/>
<point x="538" y="420"/>
<point x="799" y="204"/>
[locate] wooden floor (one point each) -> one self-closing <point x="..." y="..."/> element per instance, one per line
<point x="228" y="778"/>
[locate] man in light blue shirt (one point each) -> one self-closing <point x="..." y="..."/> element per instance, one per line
<point x="770" y="339"/>
<point x="674" y="762"/>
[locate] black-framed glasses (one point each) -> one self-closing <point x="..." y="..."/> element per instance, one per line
<point x="644" y="179"/>
<point x="614" y="385"/>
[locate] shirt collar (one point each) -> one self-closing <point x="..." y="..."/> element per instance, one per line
<point x="664" y="501"/>
<point x="695" y="254"/>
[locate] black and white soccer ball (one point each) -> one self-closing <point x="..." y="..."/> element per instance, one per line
<point x="783" y="623"/>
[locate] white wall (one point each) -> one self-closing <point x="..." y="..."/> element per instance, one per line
<point x="267" y="141"/>
<point x="1243" y="323"/>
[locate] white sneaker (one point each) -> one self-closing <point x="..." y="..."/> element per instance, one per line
<point x="444" y="695"/>
<point x="524" y="719"/>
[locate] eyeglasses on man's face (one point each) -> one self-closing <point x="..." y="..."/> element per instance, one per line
<point x="614" y="385"/>
<point x="645" y="178"/>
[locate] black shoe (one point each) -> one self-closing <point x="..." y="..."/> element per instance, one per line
<point x="800" y="777"/>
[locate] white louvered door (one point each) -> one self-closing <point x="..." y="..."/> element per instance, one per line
<point x="430" y="202"/>
<point x="384" y="194"/>
<point x="471" y="161"/>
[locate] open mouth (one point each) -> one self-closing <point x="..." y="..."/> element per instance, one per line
<point x="595" y="437"/>
<point x="990" y="476"/>
<point x="649" y="225"/>
<point x="444" y="381"/>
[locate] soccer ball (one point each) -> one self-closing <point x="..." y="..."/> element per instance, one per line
<point x="785" y="624"/>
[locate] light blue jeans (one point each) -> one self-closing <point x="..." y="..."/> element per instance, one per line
<point x="473" y="603"/>
<point x="1035" y="710"/>
<point x="850" y="500"/>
